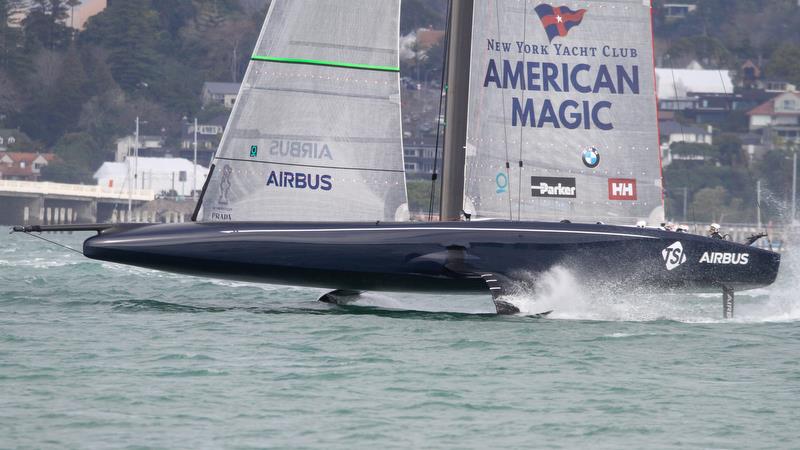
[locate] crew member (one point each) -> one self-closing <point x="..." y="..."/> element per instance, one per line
<point x="714" y="231"/>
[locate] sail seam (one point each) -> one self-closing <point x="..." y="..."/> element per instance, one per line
<point x="254" y="134"/>
<point x="319" y="92"/>
<point x="316" y="62"/>
<point x="313" y="166"/>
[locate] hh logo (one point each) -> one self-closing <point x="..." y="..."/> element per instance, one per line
<point x="674" y="256"/>
<point x="621" y="189"/>
<point x="558" y="21"/>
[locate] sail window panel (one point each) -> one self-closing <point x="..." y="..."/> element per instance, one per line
<point x="544" y="98"/>
<point x="352" y="32"/>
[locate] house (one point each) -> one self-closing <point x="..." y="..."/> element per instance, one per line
<point x="9" y="137"/>
<point x="675" y="84"/>
<point x="209" y="134"/>
<point x="148" y="146"/>
<point x="419" y="154"/>
<point x="220" y="93"/>
<point x="671" y="132"/>
<point x="778" y="119"/>
<point x="157" y="174"/>
<point x="23" y="166"/>
<point x="775" y="86"/>
<point x="678" y="11"/>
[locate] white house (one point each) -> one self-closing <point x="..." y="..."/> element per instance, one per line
<point x="157" y="174"/>
<point x="671" y="132"/>
<point x="675" y="84"/>
<point x="778" y="119"/>
<point x="127" y="144"/>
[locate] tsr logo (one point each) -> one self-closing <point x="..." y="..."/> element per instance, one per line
<point x="674" y="256"/>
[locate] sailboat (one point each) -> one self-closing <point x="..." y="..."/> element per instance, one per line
<point x="551" y="158"/>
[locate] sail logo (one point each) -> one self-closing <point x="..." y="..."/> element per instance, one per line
<point x="591" y="158"/>
<point x="550" y="187"/>
<point x="502" y="183"/>
<point x="622" y="189"/>
<point x="299" y="180"/>
<point x="726" y="259"/>
<point x="674" y="256"/>
<point x="558" y="21"/>
<point x="225" y="185"/>
<point x="300" y="150"/>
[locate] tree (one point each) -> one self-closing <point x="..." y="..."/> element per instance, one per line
<point x="62" y="172"/>
<point x="56" y="107"/>
<point x="730" y="150"/>
<point x="79" y="149"/>
<point x="45" y="23"/>
<point x="129" y="30"/>
<point x="13" y="58"/>
<point x="784" y="63"/>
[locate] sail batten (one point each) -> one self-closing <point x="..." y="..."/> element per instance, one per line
<point x="316" y="131"/>
<point x="313" y="62"/>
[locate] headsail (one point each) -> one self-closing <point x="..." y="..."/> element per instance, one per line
<point x="315" y="133"/>
<point x="562" y="113"/>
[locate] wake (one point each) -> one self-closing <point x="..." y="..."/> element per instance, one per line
<point x="574" y="298"/>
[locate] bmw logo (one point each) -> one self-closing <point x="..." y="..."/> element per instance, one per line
<point x="591" y="158"/>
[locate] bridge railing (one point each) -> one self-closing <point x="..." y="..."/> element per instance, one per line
<point x="74" y="190"/>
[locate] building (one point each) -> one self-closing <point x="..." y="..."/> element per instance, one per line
<point x="778" y="120"/>
<point x="677" y="84"/>
<point x="162" y="175"/>
<point x="23" y="166"/>
<point x="419" y="155"/>
<point x="678" y="11"/>
<point x="220" y="93"/>
<point x="671" y="132"/>
<point x="209" y="134"/>
<point x="149" y="146"/>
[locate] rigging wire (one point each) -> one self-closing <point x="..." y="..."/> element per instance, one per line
<point x="442" y="110"/>
<point x="519" y="183"/>
<point x="505" y="122"/>
<point x="53" y="242"/>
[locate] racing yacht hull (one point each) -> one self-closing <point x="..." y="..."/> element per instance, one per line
<point x="436" y="257"/>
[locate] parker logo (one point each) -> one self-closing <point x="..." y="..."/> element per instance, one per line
<point x="622" y="189"/>
<point x="550" y="187"/>
<point x="674" y="256"/>
<point x="727" y="259"/>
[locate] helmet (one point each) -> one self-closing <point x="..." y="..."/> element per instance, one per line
<point x="714" y="228"/>
<point x="641" y="224"/>
<point x="683" y="228"/>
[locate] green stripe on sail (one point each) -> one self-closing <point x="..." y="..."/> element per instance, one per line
<point x="315" y="62"/>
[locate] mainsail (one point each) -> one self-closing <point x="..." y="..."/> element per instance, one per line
<point x="562" y="112"/>
<point x="315" y="133"/>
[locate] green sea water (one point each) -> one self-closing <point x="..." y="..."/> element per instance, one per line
<point x="96" y="355"/>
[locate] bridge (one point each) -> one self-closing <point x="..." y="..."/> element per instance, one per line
<point x="27" y="202"/>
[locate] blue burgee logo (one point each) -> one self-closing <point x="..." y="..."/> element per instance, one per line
<point x="502" y="183"/>
<point x="558" y="21"/>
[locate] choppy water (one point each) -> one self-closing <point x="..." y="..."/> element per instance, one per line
<point x="96" y="355"/>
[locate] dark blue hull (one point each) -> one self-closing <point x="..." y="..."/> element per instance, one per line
<point x="435" y="257"/>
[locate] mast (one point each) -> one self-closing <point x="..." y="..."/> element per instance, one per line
<point x="455" y="135"/>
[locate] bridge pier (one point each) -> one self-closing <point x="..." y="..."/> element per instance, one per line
<point x="20" y="210"/>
